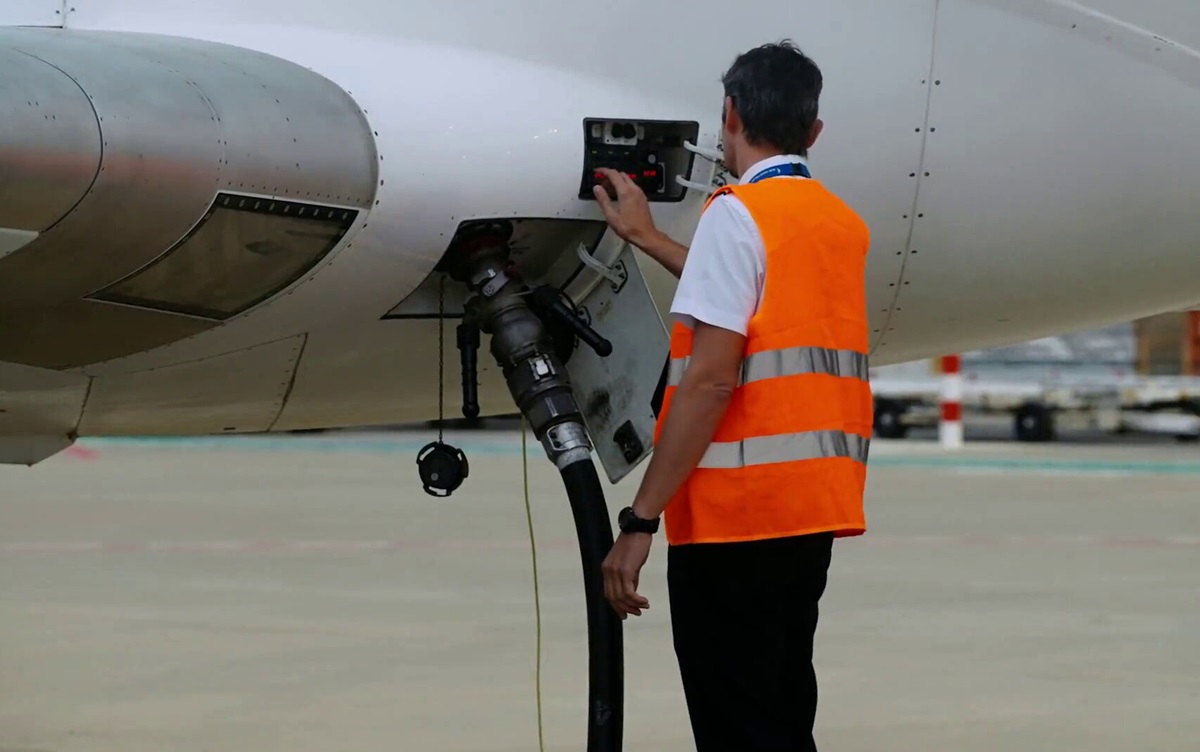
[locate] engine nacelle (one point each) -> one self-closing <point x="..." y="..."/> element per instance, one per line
<point x="171" y="183"/>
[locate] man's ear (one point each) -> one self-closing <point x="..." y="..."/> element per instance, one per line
<point x="733" y="122"/>
<point x="814" y="133"/>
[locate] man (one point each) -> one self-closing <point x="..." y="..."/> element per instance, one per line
<point x="761" y="444"/>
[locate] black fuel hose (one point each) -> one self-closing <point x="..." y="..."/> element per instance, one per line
<point x="606" y="666"/>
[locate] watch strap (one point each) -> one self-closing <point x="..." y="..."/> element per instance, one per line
<point x="629" y="522"/>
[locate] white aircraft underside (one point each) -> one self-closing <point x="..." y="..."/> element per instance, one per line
<point x="1027" y="167"/>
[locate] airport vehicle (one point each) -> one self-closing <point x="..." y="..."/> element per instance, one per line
<point x="1038" y="409"/>
<point x="231" y="217"/>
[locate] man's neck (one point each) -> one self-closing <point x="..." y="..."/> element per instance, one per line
<point x="753" y="156"/>
<point x="772" y="160"/>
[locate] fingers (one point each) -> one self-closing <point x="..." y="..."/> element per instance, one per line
<point x="606" y="204"/>
<point x="629" y="598"/>
<point x="621" y="183"/>
<point x="620" y="589"/>
<point x="601" y="192"/>
<point x="613" y="176"/>
<point x="614" y="589"/>
<point x="621" y="570"/>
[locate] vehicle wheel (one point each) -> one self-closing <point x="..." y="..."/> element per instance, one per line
<point x="1034" y="422"/>
<point x="889" y="422"/>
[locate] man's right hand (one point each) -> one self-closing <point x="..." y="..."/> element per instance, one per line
<point x="630" y="216"/>
<point x="630" y="219"/>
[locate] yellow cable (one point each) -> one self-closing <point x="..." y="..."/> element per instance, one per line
<point x="537" y="601"/>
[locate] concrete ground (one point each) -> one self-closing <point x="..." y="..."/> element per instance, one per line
<point x="304" y="594"/>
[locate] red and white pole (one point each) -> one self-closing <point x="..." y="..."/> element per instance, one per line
<point x="950" y="427"/>
<point x="1192" y="346"/>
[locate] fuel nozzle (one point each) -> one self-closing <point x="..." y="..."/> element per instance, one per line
<point x="536" y="378"/>
<point x="506" y="309"/>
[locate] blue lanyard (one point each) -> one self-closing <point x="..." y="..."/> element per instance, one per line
<point x="792" y="168"/>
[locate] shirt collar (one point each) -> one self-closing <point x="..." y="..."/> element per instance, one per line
<point x="775" y="161"/>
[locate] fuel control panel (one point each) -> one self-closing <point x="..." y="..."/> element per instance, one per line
<point x="650" y="152"/>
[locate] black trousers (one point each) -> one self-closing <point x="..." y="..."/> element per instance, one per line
<point x="743" y="617"/>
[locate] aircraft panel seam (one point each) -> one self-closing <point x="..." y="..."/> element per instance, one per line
<point x="87" y="393"/>
<point x="188" y="361"/>
<point x="99" y="135"/>
<point x="291" y="382"/>
<point x="930" y="82"/>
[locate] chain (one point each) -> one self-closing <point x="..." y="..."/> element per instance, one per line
<point x="441" y="354"/>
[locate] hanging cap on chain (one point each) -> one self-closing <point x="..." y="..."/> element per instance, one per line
<point x="442" y="467"/>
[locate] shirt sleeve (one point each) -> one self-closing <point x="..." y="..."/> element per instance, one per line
<point x="723" y="276"/>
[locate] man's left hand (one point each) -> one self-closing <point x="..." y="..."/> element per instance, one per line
<point x="622" y="569"/>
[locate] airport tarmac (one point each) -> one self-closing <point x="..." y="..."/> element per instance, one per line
<point x="304" y="594"/>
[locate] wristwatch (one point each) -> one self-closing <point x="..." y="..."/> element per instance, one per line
<point x="629" y="522"/>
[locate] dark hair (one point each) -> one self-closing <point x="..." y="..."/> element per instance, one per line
<point x="775" y="89"/>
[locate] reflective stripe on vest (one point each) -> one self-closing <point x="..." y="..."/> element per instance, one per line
<point x="792" y="361"/>
<point x="792" y="447"/>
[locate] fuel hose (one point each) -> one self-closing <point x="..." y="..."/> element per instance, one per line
<point x="606" y="672"/>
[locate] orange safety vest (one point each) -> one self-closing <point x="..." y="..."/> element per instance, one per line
<point x="789" y="456"/>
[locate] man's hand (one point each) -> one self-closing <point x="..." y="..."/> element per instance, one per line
<point x="622" y="569"/>
<point x="630" y="217"/>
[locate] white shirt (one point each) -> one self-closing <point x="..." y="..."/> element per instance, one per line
<point x="722" y="279"/>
